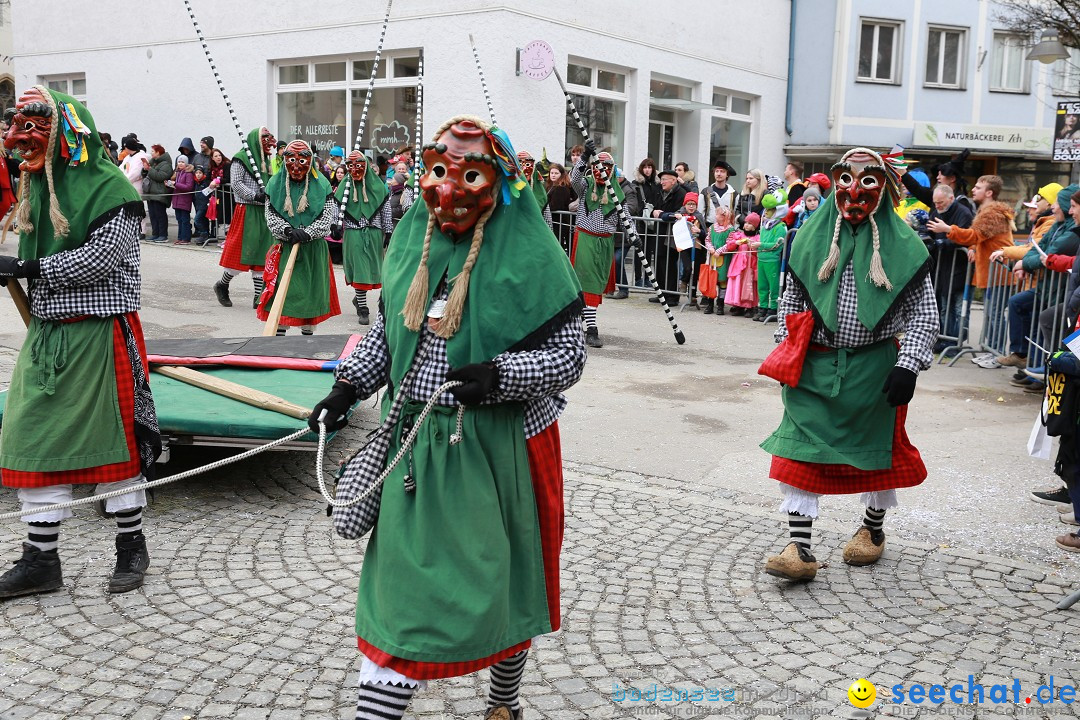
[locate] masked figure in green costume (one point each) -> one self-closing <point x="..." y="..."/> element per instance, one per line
<point x="299" y="208"/>
<point x="367" y="218"/>
<point x="79" y="409"/>
<point x="860" y="281"/>
<point x="462" y="569"/>
<point x="249" y="239"/>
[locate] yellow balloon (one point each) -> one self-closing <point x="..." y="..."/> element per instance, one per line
<point x="862" y="693"/>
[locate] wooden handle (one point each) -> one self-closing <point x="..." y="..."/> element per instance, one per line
<point x="236" y="391"/>
<point x="22" y="303"/>
<point x="279" y="295"/>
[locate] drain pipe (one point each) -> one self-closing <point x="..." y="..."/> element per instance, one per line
<point x="790" y="68"/>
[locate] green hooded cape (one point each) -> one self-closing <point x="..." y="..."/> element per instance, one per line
<point x="903" y="255"/>
<point x="356" y="208"/>
<point x="521" y="285"/>
<point x="592" y="189"/>
<point x="88" y="193"/>
<point x="252" y="141"/>
<point x="538" y="190"/>
<point x="318" y="189"/>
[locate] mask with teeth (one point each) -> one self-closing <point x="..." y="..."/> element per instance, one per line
<point x="461" y="179"/>
<point x="297" y="160"/>
<point x="268" y="142"/>
<point x="527" y="163"/>
<point x="29" y="125"/>
<point x="356" y="165"/>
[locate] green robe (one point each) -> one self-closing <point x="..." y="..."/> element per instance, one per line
<point x="454" y="570"/>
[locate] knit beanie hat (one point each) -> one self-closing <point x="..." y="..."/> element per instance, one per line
<point x="753" y="219"/>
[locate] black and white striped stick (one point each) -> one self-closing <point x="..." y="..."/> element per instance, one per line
<point x="628" y="224"/>
<point x="225" y="96"/>
<point x="418" y="130"/>
<point x="364" y="111"/>
<point x="483" y="82"/>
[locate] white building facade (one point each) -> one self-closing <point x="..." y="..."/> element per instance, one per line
<point x="650" y="81"/>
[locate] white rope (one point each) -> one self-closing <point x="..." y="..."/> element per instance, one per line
<point x="406" y="446"/>
<point x="319" y="458"/>
<point x="166" y="480"/>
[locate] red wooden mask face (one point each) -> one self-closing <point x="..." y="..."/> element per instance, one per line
<point x="859" y="182"/>
<point x="462" y="174"/>
<point x="297" y="159"/>
<point x="268" y="142"/>
<point x="356" y="164"/>
<point x="28" y="130"/>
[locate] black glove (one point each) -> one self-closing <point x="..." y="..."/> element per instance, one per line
<point x="590" y="150"/>
<point x="16" y="268"/>
<point x="260" y="197"/>
<point x="336" y="231"/>
<point x="899" y="386"/>
<point x="296" y="236"/>
<point x="336" y="404"/>
<point x="481" y="379"/>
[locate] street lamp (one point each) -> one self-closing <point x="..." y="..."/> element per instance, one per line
<point x="1049" y="49"/>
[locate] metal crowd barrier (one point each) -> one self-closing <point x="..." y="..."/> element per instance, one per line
<point x="1039" y="316"/>
<point x="654" y="234"/>
<point x="953" y="291"/>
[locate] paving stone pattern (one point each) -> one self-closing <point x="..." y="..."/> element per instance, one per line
<point x="247" y="612"/>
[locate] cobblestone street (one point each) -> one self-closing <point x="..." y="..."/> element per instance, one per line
<point x="247" y="611"/>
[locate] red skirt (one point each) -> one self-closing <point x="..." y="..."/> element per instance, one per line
<point x="125" y="394"/>
<point x="545" y="466"/>
<point x="365" y="286"/>
<point x="234" y="243"/>
<point x="907" y="469"/>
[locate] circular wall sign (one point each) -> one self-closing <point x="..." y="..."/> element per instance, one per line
<point x="537" y="60"/>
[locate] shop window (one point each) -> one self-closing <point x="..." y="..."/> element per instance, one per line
<point x="879" y="51"/>
<point x="1065" y="75"/>
<point x="730" y="141"/>
<point x="1009" y="69"/>
<point x="666" y="90"/>
<point x="945" y="52"/>
<point x="320" y="101"/>
<point x="599" y="93"/>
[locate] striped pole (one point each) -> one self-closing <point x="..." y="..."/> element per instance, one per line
<point x="364" y="111"/>
<point x="225" y="95"/>
<point x="483" y="82"/>
<point x="628" y="224"/>
<point x="416" y="135"/>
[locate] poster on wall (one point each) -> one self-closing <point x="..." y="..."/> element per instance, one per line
<point x="1067" y="132"/>
<point x="390" y="137"/>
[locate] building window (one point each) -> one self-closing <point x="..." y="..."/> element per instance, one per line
<point x="320" y="100"/>
<point x="73" y="85"/>
<point x="599" y="93"/>
<point x="945" y="53"/>
<point x="1009" y="69"/>
<point x="879" y="51"/>
<point x="729" y="139"/>
<point x="1065" y="75"/>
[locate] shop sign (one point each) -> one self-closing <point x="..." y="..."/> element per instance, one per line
<point x="957" y="136"/>
<point x="390" y="137"/>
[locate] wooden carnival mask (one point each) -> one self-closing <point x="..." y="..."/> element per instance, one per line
<point x="461" y="178"/>
<point x="297" y="159"/>
<point x="859" y="179"/>
<point x="356" y="164"/>
<point x="527" y="163"/>
<point x="268" y="142"/>
<point x="603" y="168"/>
<point x="30" y="123"/>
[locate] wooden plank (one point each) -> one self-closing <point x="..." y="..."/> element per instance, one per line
<point x="283" y="281"/>
<point x="22" y="303"/>
<point x="236" y="391"/>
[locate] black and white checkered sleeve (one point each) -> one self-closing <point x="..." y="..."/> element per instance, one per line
<point x="547" y="217"/>
<point x="244" y="184"/>
<point x="386" y="216"/>
<point x="103" y="251"/>
<point x="541" y="373"/>
<point x="792" y="301"/>
<point x="406" y="199"/>
<point x="368" y="367"/>
<point x="321" y="227"/>
<point x="277" y="225"/>
<point x="919" y="314"/>
<point x="578" y="181"/>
